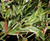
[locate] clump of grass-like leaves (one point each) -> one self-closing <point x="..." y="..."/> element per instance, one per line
<point x="24" y="16"/>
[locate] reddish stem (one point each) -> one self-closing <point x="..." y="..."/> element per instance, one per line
<point x="6" y="28"/>
<point x="5" y="25"/>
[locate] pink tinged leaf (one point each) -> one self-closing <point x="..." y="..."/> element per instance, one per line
<point x="6" y="0"/>
<point x="46" y="27"/>
<point x="45" y="30"/>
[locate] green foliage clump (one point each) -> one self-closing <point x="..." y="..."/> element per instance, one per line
<point x="24" y="16"/>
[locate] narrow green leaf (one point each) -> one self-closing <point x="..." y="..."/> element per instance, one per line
<point x="14" y="8"/>
<point x="8" y="3"/>
<point x="35" y="30"/>
<point x="35" y="14"/>
<point x="7" y="13"/>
